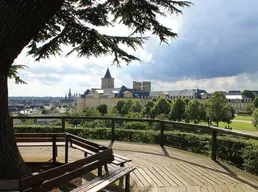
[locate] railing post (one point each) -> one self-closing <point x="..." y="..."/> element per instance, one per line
<point x="54" y="149"/>
<point x="63" y="124"/>
<point x="214" y="145"/>
<point x="66" y="148"/>
<point x="113" y="130"/>
<point x="162" y="126"/>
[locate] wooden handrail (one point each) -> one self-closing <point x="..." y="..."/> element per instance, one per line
<point x="221" y="130"/>
<point x="214" y="130"/>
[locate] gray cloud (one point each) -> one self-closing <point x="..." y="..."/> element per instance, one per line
<point x="49" y="80"/>
<point x="217" y="39"/>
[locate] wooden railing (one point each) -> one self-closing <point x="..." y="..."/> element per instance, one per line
<point x="214" y="130"/>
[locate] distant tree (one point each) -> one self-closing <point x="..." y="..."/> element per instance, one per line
<point x="177" y="112"/>
<point x="255" y="117"/>
<point x="248" y="93"/>
<point x="169" y="101"/>
<point x="186" y="100"/>
<point x="194" y="111"/>
<point x="215" y="107"/>
<point x="228" y="114"/>
<point x="102" y="108"/>
<point x="133" y="115"/>
<point x="250" y="108"/>
<point x="90" y="111"/>
<point x="137" y="107"/>
<point x="120" y="105"/>
<point x="44" y="111"/>
<point x="255" y="102"/>
<point x="162" y="116"/>
<point x="147" y="109"/>
<point x="127" y="107"/>
<point x="161" y="106"/>
<point x="154" y="100"/>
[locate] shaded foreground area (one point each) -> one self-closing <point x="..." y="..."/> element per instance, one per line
<point x="165" y="168"/>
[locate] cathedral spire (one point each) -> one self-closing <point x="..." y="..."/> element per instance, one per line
<point x="70" y="93"/>
<point x="107" y="74"/>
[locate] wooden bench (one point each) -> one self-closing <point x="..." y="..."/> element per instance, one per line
<point x="118" y="160"/>
<point x="96" y="157"/>
<point x="102" y="182"/>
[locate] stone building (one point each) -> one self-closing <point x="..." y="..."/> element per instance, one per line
<point x="110" y="95"/>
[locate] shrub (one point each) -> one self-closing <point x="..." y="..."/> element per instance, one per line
<point x="250" y="156"/>
<point x="135" y="125"/>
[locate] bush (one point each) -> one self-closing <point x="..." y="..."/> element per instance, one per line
<point x="250" y="156"/>
<point x="135" y="125"/>
<point x="241" y="152"/>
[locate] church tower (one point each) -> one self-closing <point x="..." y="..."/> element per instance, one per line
<point x="70" y="94"/>
<point x="107" y="81"/>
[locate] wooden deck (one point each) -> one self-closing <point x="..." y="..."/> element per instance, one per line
<point x="165" y="169"/>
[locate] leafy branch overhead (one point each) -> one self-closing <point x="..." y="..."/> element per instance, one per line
<point x="76" y="24"/>
<point x="13" y="73"/>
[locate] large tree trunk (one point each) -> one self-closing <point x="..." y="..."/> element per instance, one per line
<point x="12" y="165"/>
<point x="20" y="21"/>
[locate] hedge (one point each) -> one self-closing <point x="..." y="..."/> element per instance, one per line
<point x="240" y="152"/>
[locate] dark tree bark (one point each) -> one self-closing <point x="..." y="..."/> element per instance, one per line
<point x="20" y="21"/>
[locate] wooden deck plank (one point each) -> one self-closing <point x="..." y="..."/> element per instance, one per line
<point x="147" y="177"/>
<point x="160" y="176"/>
<point x="192" y="174"/>
<point x="166" y="175"/>
<point x="176" y="177"/>
<point x="204" y="175"/>
<point x="141" y="177"/>
<point x="154" y="179"/>
<point x="183" y="175"/>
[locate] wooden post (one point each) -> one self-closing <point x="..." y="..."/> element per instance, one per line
<point x="54" y="150"/>
<point x="66" y="148"/>
<point x="162" y="126"/>
<point x="99" y="171"/>
<point x="63" y="124"/>
<point x="214" y="145"/>
<point x="127" y="183"/>
<point x="113" y="130"/>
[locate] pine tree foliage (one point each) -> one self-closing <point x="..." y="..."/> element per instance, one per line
<point x="76" y="24"/>
<point x="13" y="73"/>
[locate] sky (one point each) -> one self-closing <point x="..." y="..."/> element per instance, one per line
<point x="216" y="49"/>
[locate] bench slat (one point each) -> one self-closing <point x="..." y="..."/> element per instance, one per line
<point x="103" y="181"/>
<point x="27" y="182"/>
<point x="119" y="160"/>
<point x="84" y="145"/>
<point x="45" y="144"/>
<point x="66" y="177"/>
<point x="40" y="135"/>
<point x="84" y="141"/>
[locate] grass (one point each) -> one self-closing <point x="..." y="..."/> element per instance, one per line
<point x="239" y="126"/>
<point x="245" y="118"/>
<point x="236" y="126"/>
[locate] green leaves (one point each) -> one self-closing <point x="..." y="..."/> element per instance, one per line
<point x="76" y="25"/>
<point x="13" y="73"/>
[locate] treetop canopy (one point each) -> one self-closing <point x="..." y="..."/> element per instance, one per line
<point x="76" y="23"/>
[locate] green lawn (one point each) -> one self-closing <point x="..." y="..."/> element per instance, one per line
<point x="246" y="118"/>
<point x="237" y="126"/>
